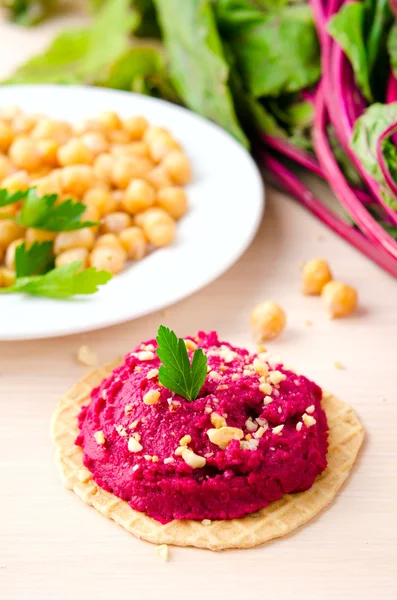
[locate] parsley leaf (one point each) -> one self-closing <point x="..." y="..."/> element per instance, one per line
<point x="176" y="373"/>
<point x="82" y="55"/>
<point x="41" y="212"/>
<point x="62" y="282"/>
<point x="34" y="260"/>
<point x="7" y="197"/>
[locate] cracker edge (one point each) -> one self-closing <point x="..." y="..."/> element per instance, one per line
<point x="280" y="518"/>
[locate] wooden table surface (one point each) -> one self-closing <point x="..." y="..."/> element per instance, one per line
<point x="52" y="546"/>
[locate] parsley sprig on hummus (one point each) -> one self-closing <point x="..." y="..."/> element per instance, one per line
<point x="176" y="372"/>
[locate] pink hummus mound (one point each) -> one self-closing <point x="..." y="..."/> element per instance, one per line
<point x="256" y="431"/>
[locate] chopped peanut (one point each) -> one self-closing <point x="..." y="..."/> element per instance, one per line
<point x="162" y="551"/>
<point x="99" y="437"/>
<point x="224" y="435"/>
<point x="151" y="397"/>
<point x="86" y="356"/>
<point x="217" y="420"/>
<point x="192" y="459"/>
<point x="134" y="445"/>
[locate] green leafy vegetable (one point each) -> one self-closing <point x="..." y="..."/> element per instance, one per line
<point x="27" y="12"/>
<point x="82" y="55"/>
<point x="343" y="160"/>
<point x="198" y="67"/>
<point x="347" y="28"/>
<point x="142" y="70"/>
<point x="276" y="52"/>
<point x="378" y="20"/>
<point x="42" y="212"/>
<point x="176" y="373"/>
<point x="367" y="130"/>
<point x="62" y="282"/>
<point x="392" y="47"/>
<point x="35" y="260"/>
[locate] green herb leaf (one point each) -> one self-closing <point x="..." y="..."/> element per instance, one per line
<point x="62" y="282"/>
<point x="7" y="197"/>
<point x="177" y="374"/>
<point x="198" y="67"/>
<point x="81" y="55"/>
<point x="34" y="260"/>
<point x="41" y="212"/>
<point x="276" y="52"/>
<point x="143" y="70"/>
<point x="347" y="28"/>
<point x="367" y="130"/>
<point x="27" y="12"/>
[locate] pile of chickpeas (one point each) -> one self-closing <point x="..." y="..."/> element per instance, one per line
<point x="128" y="173"/>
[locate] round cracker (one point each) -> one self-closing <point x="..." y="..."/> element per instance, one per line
<point x="278" y="519"/>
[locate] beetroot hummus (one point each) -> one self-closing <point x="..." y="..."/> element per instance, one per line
<point x="256" y="431"/>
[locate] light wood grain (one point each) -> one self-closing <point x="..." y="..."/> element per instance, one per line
<point x="52" y="546"/>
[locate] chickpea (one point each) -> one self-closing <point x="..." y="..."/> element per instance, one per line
<point x="91" y="213"/>
<point x="10" y="210"/>
<point x="109" y="259"/>
<point x="118" y="136"/>
<point x="339" y="298"/>
<point x="178" y="167"/>
<point x="73" y="255"/>
<point x="157" y="225"/>
<point x="77" y="179"/>
<point x="103" y="167"/>
<point x="24" y="123"/>
<point x="154" y="131"/>
<point x="126" y="168"/>
<point x="39" y="174"/>
<point x="95" y="141"/>
<point x="138" y="196"/>
<point x="97" y="198"/>
<point x="6" y="136"/>
<point x="115" y="222"/>
<point x="19" y="180"/>
<point x="5" y="167"/>
<point x="47" y="129"/>
<point x="114" y="202"/>
<point x="74" y="152"/>
<point x="24" y="154"/>
<point x="9" y="231"/>
<point x="267" y="321"/>
<point x="159" y="178"/>
<point x="173" y="200"/>
<point x="38" y="235"/>
<point x="48" y="151"/>
<point x="10" y="112"/>
<point x="110" y="240"/>
<point x="9" y="260"/>
<point x="135" y="127"/>
<point x="160" y="145"/>
<point x="109" y="120"/>
<point x="50" y="184"/>
<point x="66" y="240"/>
<point x="315" y="274"/>
<point x="131" y="149"/>
<point x="7" y="277"/>
<point x="134" y="242"/>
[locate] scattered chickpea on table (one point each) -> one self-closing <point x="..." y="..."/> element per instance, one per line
<point x="129" y="174"/>
<point x="268" y="319"/>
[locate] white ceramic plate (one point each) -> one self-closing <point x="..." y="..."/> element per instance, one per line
<point x="226" y="204"/>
